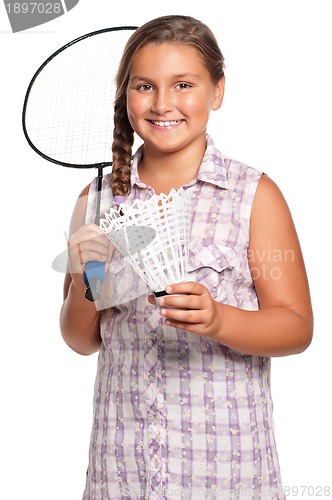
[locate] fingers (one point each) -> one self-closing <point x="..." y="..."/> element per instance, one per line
<point x="182" y="301"/>
<point x="182" y="316"/>
<point x="188" y="287"/>
<point x="88" y="244"/>
<point x="152" y="300"/>
<point x="180" y="295"/>
<point x="188" y="306"/>
<point x="176" y="310"/>
<point x="80" y="254"/>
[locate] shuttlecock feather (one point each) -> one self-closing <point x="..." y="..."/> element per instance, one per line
<point x="153" y="235"/>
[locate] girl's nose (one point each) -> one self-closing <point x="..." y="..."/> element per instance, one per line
<point x="162" y="102"/>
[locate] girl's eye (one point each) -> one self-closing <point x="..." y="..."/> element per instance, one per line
<point x="145" y="87"/>
<point x="183" y="86"/>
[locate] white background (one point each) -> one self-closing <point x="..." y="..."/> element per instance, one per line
<point x="276" y="117"/>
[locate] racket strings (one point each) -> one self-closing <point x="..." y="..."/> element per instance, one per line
<point x="70" y="109"/>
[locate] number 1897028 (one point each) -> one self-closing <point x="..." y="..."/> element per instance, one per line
<point x="34" y="8"/>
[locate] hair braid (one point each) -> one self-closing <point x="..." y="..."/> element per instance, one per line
<point x="123" y="138"/>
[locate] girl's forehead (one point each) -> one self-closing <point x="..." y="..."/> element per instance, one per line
<point x="167" y="55"/>
<point x="167" y="48"/>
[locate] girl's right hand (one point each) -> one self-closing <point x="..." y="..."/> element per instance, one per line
<point x="87" y="244"/>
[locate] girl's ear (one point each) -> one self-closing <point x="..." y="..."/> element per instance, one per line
<point x="219" y="94"/>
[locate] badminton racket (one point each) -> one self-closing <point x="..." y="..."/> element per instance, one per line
<point x="68" y="112"/>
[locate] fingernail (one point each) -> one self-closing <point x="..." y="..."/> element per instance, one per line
<point x="161" y="302"/>
<point x="163" y="312"/>
<point x="168" y="289"/>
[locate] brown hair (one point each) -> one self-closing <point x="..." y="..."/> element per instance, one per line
<point x="181" y="30"/>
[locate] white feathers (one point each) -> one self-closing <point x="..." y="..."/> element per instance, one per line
<point x="153" y="236"/>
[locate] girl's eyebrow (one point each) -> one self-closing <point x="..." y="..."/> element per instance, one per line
<point x="139" y="78"/>
<point x="182" y="76"/>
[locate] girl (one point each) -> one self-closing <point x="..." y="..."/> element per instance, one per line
<point x="182" y="404"/>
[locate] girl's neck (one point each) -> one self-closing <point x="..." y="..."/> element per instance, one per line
<point x="172" y="170"/>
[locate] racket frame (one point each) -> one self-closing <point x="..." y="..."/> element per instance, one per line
<point x="26" y="99"/>
<point x="99" y="165"/>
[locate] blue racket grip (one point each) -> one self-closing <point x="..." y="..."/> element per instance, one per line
<point x="94" y="276"/>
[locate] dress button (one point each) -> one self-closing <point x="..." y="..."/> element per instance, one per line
<point x="153" y="418"/>
<point x="156" y="464"/>
<point x="151" y="377"/>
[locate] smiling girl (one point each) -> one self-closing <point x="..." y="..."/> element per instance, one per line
<point x="182" y="406"/>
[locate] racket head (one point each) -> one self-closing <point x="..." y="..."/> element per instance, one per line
<point x="68" y="108"/>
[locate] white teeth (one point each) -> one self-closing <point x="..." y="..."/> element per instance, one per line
<point x="166" y="124"/>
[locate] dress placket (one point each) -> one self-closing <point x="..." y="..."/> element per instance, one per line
<point x="155" y="408"/>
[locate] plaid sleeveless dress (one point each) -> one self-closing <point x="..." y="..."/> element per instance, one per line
<point x="177" y="415"/>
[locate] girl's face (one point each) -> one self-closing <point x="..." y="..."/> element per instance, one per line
<point x="169" y="97"/>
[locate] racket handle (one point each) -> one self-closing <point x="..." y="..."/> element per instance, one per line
<point x="94" y="278"/>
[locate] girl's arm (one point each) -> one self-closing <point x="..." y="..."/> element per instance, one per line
<point x="79" y="318"/>
<point x="284" y="323"/>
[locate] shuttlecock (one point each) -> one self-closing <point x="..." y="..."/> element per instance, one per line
<point x="153" y="236"/>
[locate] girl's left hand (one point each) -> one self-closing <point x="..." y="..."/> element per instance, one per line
<point x="194" y="309"/>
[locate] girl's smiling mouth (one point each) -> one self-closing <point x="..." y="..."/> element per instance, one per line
<point x="166" y="123"/>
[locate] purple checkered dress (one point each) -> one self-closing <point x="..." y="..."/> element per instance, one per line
<point x="177" y="415"/>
